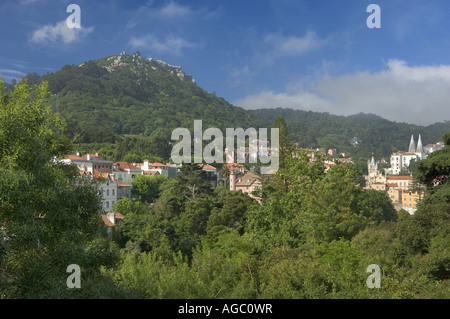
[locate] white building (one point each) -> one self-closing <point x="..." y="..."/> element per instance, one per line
<point x="125" y="172"/>
<point x="430" y="148"/>
<point x="402" y="160"/>
<point x="99" y="171"/>
<point x="109" y="191"/>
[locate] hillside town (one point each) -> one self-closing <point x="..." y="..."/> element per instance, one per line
<point x="397" y="180"/>
<point x="115" y="179"/>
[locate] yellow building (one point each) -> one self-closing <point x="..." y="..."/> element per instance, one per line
<point x="378" y="186"/>
<point x="395" y="195"/>
<point x="412" y="198"/>
<point x="403" y="182"/>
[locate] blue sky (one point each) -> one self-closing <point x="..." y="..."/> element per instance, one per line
<point x="314" y="55"/>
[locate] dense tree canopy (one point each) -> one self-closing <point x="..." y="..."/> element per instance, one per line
<point x="49" y="217"/>
<point x="313" y="235"/>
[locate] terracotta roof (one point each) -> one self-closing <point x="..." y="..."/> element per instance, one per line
<point x="121" y="184"/>
<point x="392" y="185"/>
<point x="106" y="221"/>
<point x="100" y="173"/>
<point x="151" y="173"/>
<point x="157" y="164"/>
<point x="125" y="165"/>
<point x="207" y="166"/>
<point x="73" y="157"/>
<point x="248" y="179"/>
<point x="119" y="216"/>
<point x="399" y="177"/>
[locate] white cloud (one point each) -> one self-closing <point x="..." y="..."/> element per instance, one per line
<point x="170" y="45"/>
<point x="292" y="45"/>
<point x="27" y="2"/>
<point x="277" y="45"/>
<point x="59" y="33"/>
<point x="171" y="12"/>
<point x="9" y="74"/>
<point x="175" y="10"/>
<point x="419" y="95"/>
<point x="12" y="72"/>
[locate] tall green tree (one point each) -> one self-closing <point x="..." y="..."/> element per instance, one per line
<point x="147" y="188"/>
<point x="50" y="217"/>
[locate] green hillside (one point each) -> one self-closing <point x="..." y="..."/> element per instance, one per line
<point x="128" y="94"/>
<point x="126" y="103"/>
<point x="376" y="134"/>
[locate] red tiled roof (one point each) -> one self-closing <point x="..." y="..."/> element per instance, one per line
<point x="157" y="164"/>
<point x="73" y="157"/>
<point x="399" y="177"/>
<point x="248" y="179"/>
<point x="151" y="173"/>
<point x="207" y="166"/>
<point x="103" y="173"/>
<point x="121" y="184"/>
<point x="125" y="165"/>
<point x="106" y="221"/>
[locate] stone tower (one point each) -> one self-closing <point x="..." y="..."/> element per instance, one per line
<point x="232" y="179"/>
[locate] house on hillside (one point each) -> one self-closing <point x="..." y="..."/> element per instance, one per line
<point x="211" y="175"/>
<point x="247" y="182"/>
<point x="112" y="223"/>
<point x="126" y="172"/>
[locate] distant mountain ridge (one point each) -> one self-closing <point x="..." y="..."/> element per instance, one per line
<point x="377" y="135"/>
<point x="125" y="94"/>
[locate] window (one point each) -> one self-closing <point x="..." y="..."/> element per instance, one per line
<point x="114" y="192"/>
<point x="107" y="204"/>
<point x="107" y="192"/>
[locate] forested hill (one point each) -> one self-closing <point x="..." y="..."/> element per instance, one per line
<point x="104" y="99"/>
<point x="374" y="133"/>
<point x="129" y="94"/>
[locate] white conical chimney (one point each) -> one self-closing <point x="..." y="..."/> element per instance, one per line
<point x="419" y="145"/>
<point x="412" y="145"/>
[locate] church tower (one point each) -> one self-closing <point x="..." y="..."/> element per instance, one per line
<point x="412" y="145"/>
<point x="374" y="175"/>
<point x="372" y="167"/>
